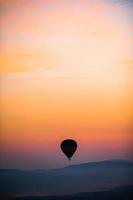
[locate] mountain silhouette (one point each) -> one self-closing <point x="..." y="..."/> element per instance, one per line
<point x="87" y="177"/>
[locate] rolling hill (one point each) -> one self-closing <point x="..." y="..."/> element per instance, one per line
<point x="88" y="177"/>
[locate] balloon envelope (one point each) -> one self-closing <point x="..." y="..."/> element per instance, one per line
<point x="68" y="147"/>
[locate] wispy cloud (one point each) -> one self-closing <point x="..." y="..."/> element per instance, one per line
<point x="25" y="62"/>
<point x="126" y="62"/>
<point x="122" y="2"/>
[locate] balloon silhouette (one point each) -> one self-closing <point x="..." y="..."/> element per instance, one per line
<point x="68" y="147"/>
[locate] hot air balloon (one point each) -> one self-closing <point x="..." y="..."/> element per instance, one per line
<point x="68" y="147"/>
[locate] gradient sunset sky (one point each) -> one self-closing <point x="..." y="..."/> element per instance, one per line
<point x="66" y="71"/>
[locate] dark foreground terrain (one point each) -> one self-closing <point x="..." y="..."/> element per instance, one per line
<point x="119" y="193"/>
<point x="84" y="180"/>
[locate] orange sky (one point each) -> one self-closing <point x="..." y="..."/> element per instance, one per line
<point x="66" y="72"/>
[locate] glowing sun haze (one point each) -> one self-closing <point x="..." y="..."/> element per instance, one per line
<point x="66" y="72"/>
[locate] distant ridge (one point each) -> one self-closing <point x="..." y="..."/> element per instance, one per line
<point x="91" y="163"/>
<point x="84" y="177"/>
<point x="105" y="163"/>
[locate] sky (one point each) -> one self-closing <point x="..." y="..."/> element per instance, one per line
<point x="66" y="72"/>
